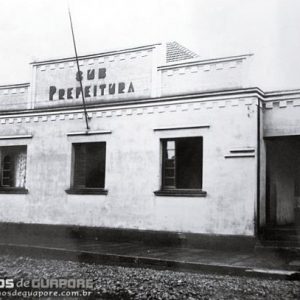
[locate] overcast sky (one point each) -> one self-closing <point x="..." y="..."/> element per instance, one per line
<point x="39" y="29"/>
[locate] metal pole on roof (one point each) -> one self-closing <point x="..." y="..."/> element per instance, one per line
<point x="79" y="74"/>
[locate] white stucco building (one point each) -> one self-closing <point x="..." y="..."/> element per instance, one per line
<point x="176" y="143"/>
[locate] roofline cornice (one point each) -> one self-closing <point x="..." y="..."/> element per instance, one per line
<point x="194" y="62"/>
<point x="16" y="85"/>
<point x="96" y="55"/>
<point x="278" y="95"/>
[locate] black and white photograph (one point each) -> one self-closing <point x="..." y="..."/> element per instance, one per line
<point x="150" y="149"/>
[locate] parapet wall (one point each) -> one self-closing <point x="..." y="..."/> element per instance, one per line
<point x="14" y="97"/>
<point x="123" y="75"/>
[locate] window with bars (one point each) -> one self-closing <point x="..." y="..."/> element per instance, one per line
<point x="182" y="164"/>
<point x="13" y="161"/>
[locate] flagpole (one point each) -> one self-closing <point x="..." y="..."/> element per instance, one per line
<point x="79" y="77"/>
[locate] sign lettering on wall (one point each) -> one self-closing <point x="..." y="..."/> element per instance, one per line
<point x="91" y="90"/>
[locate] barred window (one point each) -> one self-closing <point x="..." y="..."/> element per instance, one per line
<point x="182" y="167"/>
<point x="13" y="167"/>
<point x="182" y="163"/>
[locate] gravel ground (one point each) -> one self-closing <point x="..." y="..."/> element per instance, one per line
<point x="113" y="282"/>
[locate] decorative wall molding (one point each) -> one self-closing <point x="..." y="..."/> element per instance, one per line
<point x="242" y="150"/>
<point x="241" y="153"/>
<point x="200" y="68"/>
<point x="232" y="60"/>
<point x="126" y="111"/>
<point x="14" y="137"/>
<point x="89" y="132"/>
<point x="181" y="127"/>
<point x="13" y="90"/>
<point x="284" y="103"/>
<point x="86" y="61"/>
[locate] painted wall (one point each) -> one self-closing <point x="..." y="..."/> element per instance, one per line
<point x="115" y="76"/>
<point x="143" y="74"/>
<point x="282" y="116"/>
<point x="13" y="97"/>
<point x="133" y="167"/>
<point x="206" y="75"/>
<point x="133" y="148"/>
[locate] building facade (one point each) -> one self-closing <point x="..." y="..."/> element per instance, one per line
<point x="176" y="143"/>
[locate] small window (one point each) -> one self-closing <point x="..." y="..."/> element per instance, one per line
<point x="13" y="168"/>
<point x="182" y="166"/>
<point x="89" y="167"/>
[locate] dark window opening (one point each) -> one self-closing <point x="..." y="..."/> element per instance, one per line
<point x="182" y="163"/>
<point x="89" y="165"/>
<point x="7" y="171"/>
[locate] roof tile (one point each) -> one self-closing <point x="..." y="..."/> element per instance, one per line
<point x="176" y="52"/>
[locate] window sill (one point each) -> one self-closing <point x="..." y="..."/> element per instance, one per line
<point x="13" y="190"/>
<point x="181" y="193"/>
<point x="87" y="191"/>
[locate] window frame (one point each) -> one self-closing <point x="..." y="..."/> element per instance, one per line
<point x="177" y="192"/>
<point x="74" y="190"/>
<point x="5" y="189"/>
